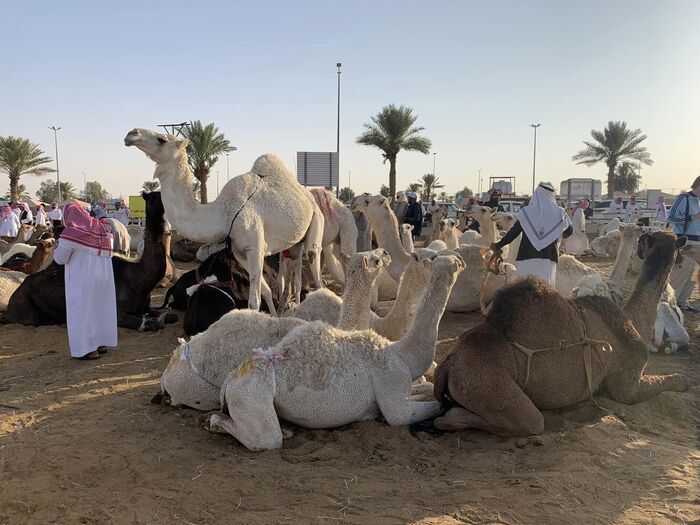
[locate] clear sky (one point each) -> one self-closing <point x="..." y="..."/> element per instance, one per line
<point x="476" y="73"/>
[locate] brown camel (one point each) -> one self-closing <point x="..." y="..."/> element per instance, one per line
<point x="39" y="233"/>
<point x="589" y="344"/>
<point x="40" y="299"/>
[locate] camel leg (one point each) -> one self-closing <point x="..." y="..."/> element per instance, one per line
<point x="248" y="392"/>
<point x="392" y="393"/>
<point x="506" y="411"/>
<point x="421" y="388"/>
<point x="627" y="389"/>
<point x="281" y="279"/>
<point x="298" y="269"/>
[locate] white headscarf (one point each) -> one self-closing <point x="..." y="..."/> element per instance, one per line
<point x="542" y="220"/>
<point x="401" y="196"/>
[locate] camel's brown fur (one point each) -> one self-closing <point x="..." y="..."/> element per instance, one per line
<point x="486" y="374"/>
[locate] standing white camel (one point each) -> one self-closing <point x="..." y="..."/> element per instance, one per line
<point x="262" y="212"/>
<point x="321" y="377"/>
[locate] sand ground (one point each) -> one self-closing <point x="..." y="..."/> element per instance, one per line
<point x="80" y="442"/>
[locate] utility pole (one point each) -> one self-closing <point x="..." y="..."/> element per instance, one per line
<point x="534" y="156"/>
<point x="58" y="178"/>
<point x="479" y="184"/>
<point x="434" y="155"/>
<point x="228" y="175"/>
<point x="337" y="141"/>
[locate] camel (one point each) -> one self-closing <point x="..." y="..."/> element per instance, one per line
<point x="407" y="237"/>
<point x="339" y="228"/>
<point x="449" y="233"/>
<point x="40" y="299"/>
<point x="23" y="232"/>
<point x="183" y="249"/>
<point x="197" y="369"/>
<point x="505" y="221"/>
<point x="121" y="240"/>
<point x="386" y="228"/>
<point x="606" y="245"/>
<point x="465" y="296"/>
<point x="487" y="226"/>
<point x="40" y="232"/>
<point x="261" y="212"/>
<point x="9" y="282"/>
<point x="502" y="372"/>
<point x="613" y="225"/>
<point x="437" y="216"/>
<point x="321" y="377"/>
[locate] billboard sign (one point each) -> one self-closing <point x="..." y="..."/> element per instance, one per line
<point x="316" y="168"/>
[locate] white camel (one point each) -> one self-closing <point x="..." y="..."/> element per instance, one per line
<point x="407" y="237"/>
<point x="449" y="233"/>
<point x="121" y="240"/>
<point x="197" y="369"/>
<point x="438" y="215"/>
<point x="321" y="377"/>
<point x="611" y="226"/>
<point x="262" y="212"/>
<point x="386" y="228"/>
<point x="466" y="291"/>
<point x="608" y="244"/>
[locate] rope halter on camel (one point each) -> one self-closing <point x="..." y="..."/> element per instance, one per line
<point x="495" y="262"/>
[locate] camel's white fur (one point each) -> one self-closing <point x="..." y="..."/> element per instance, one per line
<point x="121" y="240"/>
<point x="273" y="212"/>
<point x="16" y="248"/>
<point x="607" y="244"/>
<point x="437" y="246"/>
<point x="407" y="237"/>
<point x="449" y="233"/>
<point x="322" y="377"/>
<point x="9" y="282"/>
<point x="438" y="215"/>
<point x="611" y="226"/>
<point x="207" y="250"/>
<point x="466" y="291"/>
<point x="470" y="237"/>
<point x="136" y="234"/>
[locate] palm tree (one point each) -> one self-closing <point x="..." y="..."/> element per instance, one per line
<point x="627" y="178"/>
<point x="384" y="191"/>
<point x="206" y="144"/>
<point x="414" y="186"/>
<point x="614" y="145"/>
<point x="393" y="129"/>
<point x="430" y="184"/>
<point x="19" y="157"/>
<point x="22" y="192"/>
<point x="150" y="185"/>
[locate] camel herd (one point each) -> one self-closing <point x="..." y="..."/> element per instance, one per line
<point x="319" y="360"/>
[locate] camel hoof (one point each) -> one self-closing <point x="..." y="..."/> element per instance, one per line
<point x="212" y="424"/>
<point x="676" y="383"/>
<point x="150" y="325"/>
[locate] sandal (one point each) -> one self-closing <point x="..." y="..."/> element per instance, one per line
<point x="92" y="355"/>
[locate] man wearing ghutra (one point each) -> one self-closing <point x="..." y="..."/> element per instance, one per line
<point x="85" y="248"/>
<point x="542" y="223"/>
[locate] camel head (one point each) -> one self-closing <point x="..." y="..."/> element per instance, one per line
<point x="365" y="203"/>
<point x="407" y="228"/>
<point x="158" y="147"/>
<point x="503" y="220"/>
<point x="630" y="232"/>
<point x="479" y="213"/>
<point x="181" y="383"/>
<point x="369" y="262"/>
<point x="444" y="267"/>
<point x="447" y="225"/>
<point x="659" y="242"/>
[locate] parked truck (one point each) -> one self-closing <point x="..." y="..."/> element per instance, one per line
<point x="572" y="190"/>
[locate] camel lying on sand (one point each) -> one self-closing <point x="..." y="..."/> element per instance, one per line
<point x="321" y="377"/>
<point x="503" y="371"/>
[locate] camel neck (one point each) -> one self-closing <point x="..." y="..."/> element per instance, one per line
<point x="488" y="231"/>
<point x="641" y="308"/>
<point x="622" y="261"/>
<point x="417" y="346"/>
<point x="395" y="323"/>
<point x="198" y="222"/>
<point x="354" y="312"/>
<point x="152" y="261"/>
<point x="386" y="228"/>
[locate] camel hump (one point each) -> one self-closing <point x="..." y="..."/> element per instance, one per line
<point x="270" y="165"/>
<point x="531" y="299"/>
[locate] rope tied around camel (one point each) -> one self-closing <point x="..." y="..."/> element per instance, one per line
<point x="588" y="343"/>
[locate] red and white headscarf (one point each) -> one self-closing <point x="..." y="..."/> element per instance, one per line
<point x="5" y="212"/>
<point x="86" y="230"/>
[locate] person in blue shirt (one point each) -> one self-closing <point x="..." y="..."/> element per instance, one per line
<point x="684" y="219"/>
<point x="414" y="214"/>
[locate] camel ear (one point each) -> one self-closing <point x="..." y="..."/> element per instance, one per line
<point x="681" y="241"/>
<point x="622" y="227"/>
<point x="428" y="264"/>
<point x="365" y="261"/>
<point x="183" y="143"/>
<point x="414" y="255"/>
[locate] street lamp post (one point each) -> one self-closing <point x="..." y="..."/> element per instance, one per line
<point x="534" y="155"/>
<point x="228" y="175"/>
<point x="337" y="135"/>
<point x="479" y="184"/>
<point x="84" y="184"/>
<point x="434" y="155"/>
<point x="58" y="177"/>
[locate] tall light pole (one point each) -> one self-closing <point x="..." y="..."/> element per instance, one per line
<point x="434" y="155"/>
<point x="58" y="177"/>
<point x="479" y="183"/>
<point x="534" y="156"/>
<point x="84" y="184"/>
<point x="337" y="135"/>
<point x="228" y="175"/>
